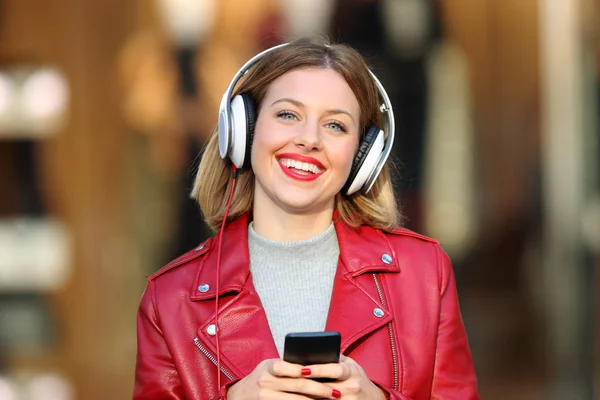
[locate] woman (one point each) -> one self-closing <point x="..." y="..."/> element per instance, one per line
<point x="302" y="247"/>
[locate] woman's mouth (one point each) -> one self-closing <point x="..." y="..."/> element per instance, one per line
<point x="300" y="170"/>
<point x="300" y="167"/>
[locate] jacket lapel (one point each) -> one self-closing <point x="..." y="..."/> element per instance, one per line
<point x="356" y="309"/>
<point x="245" y="338"/>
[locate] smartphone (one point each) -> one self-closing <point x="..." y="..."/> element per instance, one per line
<point x="308" y="348"/>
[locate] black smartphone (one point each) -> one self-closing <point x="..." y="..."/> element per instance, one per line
<point x="308" y="348"/>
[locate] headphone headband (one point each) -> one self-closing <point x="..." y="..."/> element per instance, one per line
<point x="226" y="136"/>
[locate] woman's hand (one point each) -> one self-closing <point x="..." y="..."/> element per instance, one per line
<point x="350" y="380"/>
<point x="277" y="379"/>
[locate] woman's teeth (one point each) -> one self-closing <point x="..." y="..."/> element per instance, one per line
<point x="299" y="165"/>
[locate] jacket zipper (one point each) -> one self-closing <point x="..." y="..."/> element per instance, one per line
<point x="211" y="358"/>
<point x="392" y="341"/>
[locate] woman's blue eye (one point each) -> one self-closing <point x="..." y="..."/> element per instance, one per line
<point x="286" y="115"/>
<point x="336" y="126"/>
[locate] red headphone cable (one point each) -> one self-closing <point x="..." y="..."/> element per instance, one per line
<point x="234" y="176"/>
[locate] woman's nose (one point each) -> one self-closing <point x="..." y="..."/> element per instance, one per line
<point x="309" y="136"/>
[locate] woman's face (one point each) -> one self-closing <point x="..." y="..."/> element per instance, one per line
<point x="305" y="139"/>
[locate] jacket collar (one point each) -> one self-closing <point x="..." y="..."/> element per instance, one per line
<point x="234" y="263"/>
<point x="363" y="249"/>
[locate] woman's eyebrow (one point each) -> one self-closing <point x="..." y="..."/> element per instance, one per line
<point x="340" y="111"/>
<point x="287" y="99"/>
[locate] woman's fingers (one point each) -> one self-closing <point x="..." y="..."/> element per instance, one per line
<point x="339" y="372"/>
<point x="282" y="368"/>
<point x="277" y="379"/>
<point x="305" y="387"/>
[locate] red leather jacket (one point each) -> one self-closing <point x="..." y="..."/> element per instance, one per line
<point x="416" y="349"/>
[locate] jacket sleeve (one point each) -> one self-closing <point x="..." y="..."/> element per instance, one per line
<point x="155" y="374"/>
<point x="454" y="374"/>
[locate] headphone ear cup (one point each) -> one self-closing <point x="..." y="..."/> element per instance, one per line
<point x="243" y="118"/>
<point x="251" y="116"/>
<point x="365" y="161"/>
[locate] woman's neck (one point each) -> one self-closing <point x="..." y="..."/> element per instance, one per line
<point x="277" y="224"/>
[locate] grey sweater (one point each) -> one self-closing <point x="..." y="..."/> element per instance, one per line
<point x="294" y="281"/>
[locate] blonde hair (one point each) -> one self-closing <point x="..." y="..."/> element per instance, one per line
<point x="377" y="208"/>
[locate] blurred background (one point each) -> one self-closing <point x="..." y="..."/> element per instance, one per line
<point x="105" y="106"/>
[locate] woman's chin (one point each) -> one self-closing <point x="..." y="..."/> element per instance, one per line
<point x="304" y="206"/>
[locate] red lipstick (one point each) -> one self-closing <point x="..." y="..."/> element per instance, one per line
<point x="295" y="174"/>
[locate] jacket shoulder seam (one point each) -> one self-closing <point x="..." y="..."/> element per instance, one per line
<point x="407" y="232"/>
<point x="183" y="259"/>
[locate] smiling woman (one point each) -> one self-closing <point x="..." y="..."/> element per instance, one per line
<point x="309" y="242"/>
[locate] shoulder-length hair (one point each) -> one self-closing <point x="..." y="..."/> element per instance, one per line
<point x="377" y="208"/>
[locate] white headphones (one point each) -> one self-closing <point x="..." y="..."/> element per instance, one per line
<point x="237" y="118"/>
